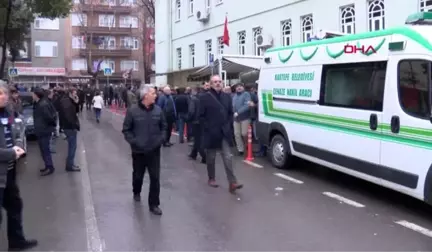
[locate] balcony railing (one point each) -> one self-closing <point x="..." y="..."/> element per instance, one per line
<point x="111" y="52"/>
<point x="106" y="30"/>
<point x="103" y="8"/>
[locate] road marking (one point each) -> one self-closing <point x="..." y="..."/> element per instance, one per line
<point x="415" y="227"/>
<point x="286" y="177"/>
<point x="252" y="164"/>
<point x="343" y="199"/>
<point x="94" y="242"/>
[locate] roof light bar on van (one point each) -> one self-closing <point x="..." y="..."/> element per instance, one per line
<point x="397" y="46"/>
<point x="421" y="18"/>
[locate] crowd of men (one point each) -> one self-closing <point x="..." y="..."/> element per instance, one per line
<point x="216" y="119"/>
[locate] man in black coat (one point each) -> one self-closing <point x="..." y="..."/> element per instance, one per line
<point x="194" y="117"/>
<point x="68" y="109"/>
<point x="45" y="121"/>
<point x="144" y="129"/>
<point x="216" y="118"/>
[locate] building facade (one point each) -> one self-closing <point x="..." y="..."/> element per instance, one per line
<point x="105" y="34"/>
<point x="185" y="41"/>
<point x="43" y="60"/>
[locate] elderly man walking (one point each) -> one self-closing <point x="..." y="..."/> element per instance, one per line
<point x="144" y="128"/>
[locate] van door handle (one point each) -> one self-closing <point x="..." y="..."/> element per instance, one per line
<point x="395" y="124"/>
<point x="373" y="122"/>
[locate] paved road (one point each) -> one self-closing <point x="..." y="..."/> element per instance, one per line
<point x="300" y="209"/>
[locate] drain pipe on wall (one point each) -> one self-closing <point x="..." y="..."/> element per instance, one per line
<point x="170" y="29"/>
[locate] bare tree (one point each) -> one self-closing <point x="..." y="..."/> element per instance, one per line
<point x="93" y="41"/>
<point x="147" y="20"/>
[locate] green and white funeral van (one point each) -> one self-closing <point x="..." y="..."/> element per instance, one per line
<point x="359" y="104"/>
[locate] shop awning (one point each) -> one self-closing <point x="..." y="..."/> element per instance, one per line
<point x="232" y="64"/>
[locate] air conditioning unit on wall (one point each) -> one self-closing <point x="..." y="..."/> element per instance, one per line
<point x="203" y="15"/>
<point x="264" y="40"/>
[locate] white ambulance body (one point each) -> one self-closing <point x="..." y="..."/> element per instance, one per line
<point x="359" y="104"/>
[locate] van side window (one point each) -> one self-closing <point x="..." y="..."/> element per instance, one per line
<point x="354" y="85"/>
<point x="413" y="86"/>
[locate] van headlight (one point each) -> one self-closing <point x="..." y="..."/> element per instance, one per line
<point x="29" y="120"/>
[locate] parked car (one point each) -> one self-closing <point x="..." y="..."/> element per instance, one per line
<point x="27" y="112"/>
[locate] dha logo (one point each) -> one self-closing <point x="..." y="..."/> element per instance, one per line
<point x="352" y="49"/>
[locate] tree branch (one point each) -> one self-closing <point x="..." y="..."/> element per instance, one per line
<point x="5" y="44"/>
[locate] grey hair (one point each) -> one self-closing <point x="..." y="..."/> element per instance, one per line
<point x="144" y="89"/>
<point x="4" y="86"/>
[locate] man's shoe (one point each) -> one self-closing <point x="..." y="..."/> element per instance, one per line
<point x="23" y="245"/>
<point x="47" y="172"/>
<point x="234" y="187"/>
<point x="137" y="197"/>
<point x="74" y="168"/>
<point x="212" y="183"/>
<point x="192" y="157"/>
<point x="156" y="210"/>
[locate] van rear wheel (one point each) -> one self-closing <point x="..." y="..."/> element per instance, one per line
<point x="279" y="152"/>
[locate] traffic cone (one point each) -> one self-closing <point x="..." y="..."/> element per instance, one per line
<point x="249" y="156"/>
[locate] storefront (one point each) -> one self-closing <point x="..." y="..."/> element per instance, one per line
<point x="38" y="76"/>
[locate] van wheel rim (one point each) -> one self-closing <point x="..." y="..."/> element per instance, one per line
<point x="278" y="152"/>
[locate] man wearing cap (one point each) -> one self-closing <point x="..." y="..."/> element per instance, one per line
<point x="241" y="110"/>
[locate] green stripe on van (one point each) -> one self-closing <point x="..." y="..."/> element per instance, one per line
<point x="408" y="136"/>
<point x="405" y="31"/>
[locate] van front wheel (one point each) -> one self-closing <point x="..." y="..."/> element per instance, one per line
<point x="279" y="152"/>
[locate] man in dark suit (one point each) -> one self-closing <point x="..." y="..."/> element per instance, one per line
<point x="216" y="118"/>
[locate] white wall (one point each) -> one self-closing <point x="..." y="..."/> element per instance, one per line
<point x="247" y="14"/>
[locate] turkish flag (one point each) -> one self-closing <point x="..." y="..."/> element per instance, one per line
<point x="226" y="37"/>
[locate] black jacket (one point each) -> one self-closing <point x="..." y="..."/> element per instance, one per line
<point x="193" y="115"/>
<point x="45" y="118"/>
<point x="216" y="118"/>
<point x="68" y="114"/>
<point x="182" y="104"/>
<point x="144" y="128"/>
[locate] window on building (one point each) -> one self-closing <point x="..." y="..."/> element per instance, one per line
<point x="354" y="85"/>
<point x="179" y="58"/>
<point x="376" y="15"/>
<point x="46" y="48"/>
<point x="128" y="21"/>
<point x="79" y="64"/>
<point x="46" y="24"/>
<point x="129" y="42"/>
<point x="347" y="19"/>
<point x="241" y="42"/>
<point x="126" y="65"/>
<point x="107" y="2"/>
<point x="426" y="5"/>
<point x="128" y="2"/>
<point x="106" y="20"/>
<point x="108" y="64"/>
<point x="414" y="87"/>
<point x="79" y="19"/>
<point x="220" y="46"/>
<point x="192" y="55"/>
<point x="78" y="42"/>
<point x="307" y="27"/>
<point x="191" y="7"/>
<point x="256" y="32"/>
<point x="178" y="10"/>
<point x="286" y="32"/>
<point x="108" y="42"/>
<point x="208" y="54"/>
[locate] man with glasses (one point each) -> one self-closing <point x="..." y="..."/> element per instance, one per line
<point x="216" y="118"/>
